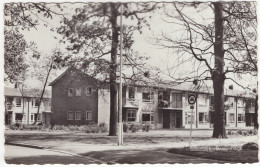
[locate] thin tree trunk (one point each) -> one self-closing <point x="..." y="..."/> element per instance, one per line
<point x="218" y="76"/>
<point x="113" y="67"/>
<point x="44" y="86"/>
<point x="256" y="125"/>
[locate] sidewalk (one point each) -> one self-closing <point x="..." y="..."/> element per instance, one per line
<point x="81" y="148"/>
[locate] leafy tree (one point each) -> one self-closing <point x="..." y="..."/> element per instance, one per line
<point x="14" y="49"/>
<point x="17" y="17"/>
<point x="94" y="33"/>
<point x="218" y="44"/>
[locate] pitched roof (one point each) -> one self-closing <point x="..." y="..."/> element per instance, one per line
<point x="15" y="92"/>
<point x="58" y="78"/>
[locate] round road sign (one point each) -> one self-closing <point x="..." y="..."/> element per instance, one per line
<point x="192" y="99"/>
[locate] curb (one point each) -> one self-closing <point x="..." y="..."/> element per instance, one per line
<point x="64" y="152"/>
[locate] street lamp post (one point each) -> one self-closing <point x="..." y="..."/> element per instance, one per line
<point x="120" y="124"/>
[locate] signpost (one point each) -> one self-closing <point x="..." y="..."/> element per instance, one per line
<point x="192" y="101"/>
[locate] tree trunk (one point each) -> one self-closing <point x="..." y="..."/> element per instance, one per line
<point x="43" y="90"/>
<point x="113" y="67"/>
<point x="256" y="125"/>
<point x="218" y="75"/>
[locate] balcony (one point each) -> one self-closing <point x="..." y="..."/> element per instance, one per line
<point x="130" y="102"/>
<point x="168" y="104"/>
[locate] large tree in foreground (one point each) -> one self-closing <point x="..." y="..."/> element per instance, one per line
<point x="94" y="33"/>
<point x="212" y="40"/>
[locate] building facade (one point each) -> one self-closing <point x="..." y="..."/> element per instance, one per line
<point x="22" y="106"/>
<point x="84" y="100"/>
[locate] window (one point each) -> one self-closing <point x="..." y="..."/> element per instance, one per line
<point x="147" y="96"/>
<point x="231" y="118"/>
<point x="131" y="93"/>
<point x="176" y="100"/>
<point x="70" y="115"/>
<point x="78" y="115"/>
<point x="70" y="92"/>
<point x="241" y="118"/>
<point x="32" y="117"/>
<point x="88" y="115"/>
<point x="131" y="115"/>
<point x="18" y="102"/>
<point x="202" y="100"/>
<point x="37" y="102"/>
<point x="147" y="117"/>
<point x="18" y="117"/>
<point x="88" y="91"/>
<point x="203" y="117"/>
<point x="78" y="91"/>
<point x="164" y="99"/>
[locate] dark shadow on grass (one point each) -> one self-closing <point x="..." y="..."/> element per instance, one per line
<point x="48" y="159"/>
<point x="157" y="156"/>
<point x="242" y="156"/>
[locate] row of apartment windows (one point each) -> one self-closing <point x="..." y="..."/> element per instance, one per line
<point x="77" y="115"/>
<point x="204" y="118"/>
<point x="35" y="102"/>
<point x="22" y="117"/>
<point x="78" y="91"/>
<point x="147" y="117"/>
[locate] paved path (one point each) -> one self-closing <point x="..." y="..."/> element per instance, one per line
<point x="25" y="155"/>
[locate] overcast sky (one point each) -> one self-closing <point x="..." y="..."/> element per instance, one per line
<point x="144" y="43"/>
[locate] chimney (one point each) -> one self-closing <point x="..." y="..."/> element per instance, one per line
<point x="230" y="87"/>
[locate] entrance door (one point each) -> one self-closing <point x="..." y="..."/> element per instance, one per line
<point x="173" y="120"/>
<point x="178" y="120"/>
<point x="166" y="119"/>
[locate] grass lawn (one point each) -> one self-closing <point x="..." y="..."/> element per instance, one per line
<point x="94" y="138"/>
<point x="230" y="154"/>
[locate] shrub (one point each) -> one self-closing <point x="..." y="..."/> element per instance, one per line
<point x="103" y="127"/>
<point x="146" y="127"/>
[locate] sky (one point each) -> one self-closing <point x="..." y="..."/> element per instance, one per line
<point x="144" y="43"/>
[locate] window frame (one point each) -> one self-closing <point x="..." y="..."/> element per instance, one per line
<point x="68" y="112"/>
<point x="151" y="97"/>
<point x="242" y="117"/>
<point x="131" y="111"/>
<point x="87" y="92"/>
<point x="16" y="102"/>
<point x="76" y="119"/>
<point x="70" y="94"/>
<point x="88" y="119"/>
<point x="78" y="91"/>
<point x="133" y="91"/>
<point x="229" y="118"/>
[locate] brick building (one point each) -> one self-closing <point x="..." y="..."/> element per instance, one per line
<point x="81" y="99"/>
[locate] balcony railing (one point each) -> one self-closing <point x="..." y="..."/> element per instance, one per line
<point x="167" y="104"/>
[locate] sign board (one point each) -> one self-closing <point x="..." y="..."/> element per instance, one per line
<point x="192" y="99"/>
<point x="191" y="107"/>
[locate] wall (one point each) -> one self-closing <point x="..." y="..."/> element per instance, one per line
<point x="103" y="106"/>
<point x="61" y="103"/>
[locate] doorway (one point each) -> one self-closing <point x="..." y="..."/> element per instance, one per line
<point x="166" y="119"/>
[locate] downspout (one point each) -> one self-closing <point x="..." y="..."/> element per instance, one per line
<point x="28" y="112"/>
